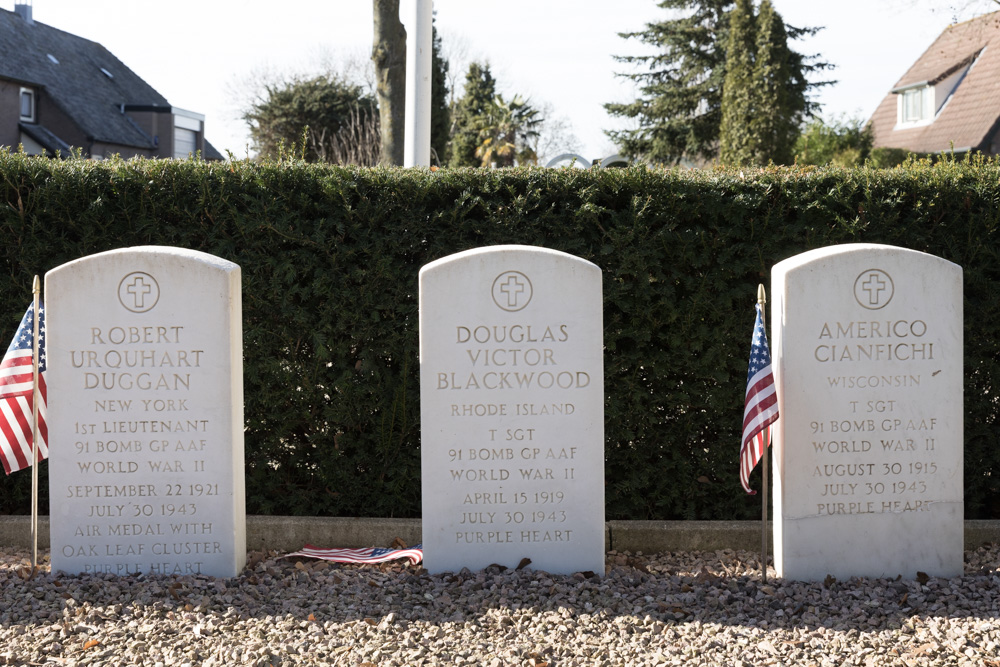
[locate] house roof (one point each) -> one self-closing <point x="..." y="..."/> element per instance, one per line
<point x="46" y="139"/>
<point x="85" y="80"/>
<point x="970" y="118"/>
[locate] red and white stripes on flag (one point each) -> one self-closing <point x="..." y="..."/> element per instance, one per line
<point x="16" y="389"/>
<point x="366" y="555"/>
<point x="761" y="406"/>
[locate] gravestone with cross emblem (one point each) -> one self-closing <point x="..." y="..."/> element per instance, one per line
<point x="512" y="410"/>
<point x="868" y="450"/>
<point x="145" y="413"/>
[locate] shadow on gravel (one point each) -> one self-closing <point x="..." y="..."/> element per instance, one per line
<point x="721" y="588"/>
<point x="679" y="608"/>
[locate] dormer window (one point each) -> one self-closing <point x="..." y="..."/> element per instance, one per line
<point x="28" y="105"/>
<point x="920" y="102"/>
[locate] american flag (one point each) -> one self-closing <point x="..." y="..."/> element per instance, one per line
<point x="367" y="555"/>
<point x="16" y="386"/>
<point x="761" y="407"/>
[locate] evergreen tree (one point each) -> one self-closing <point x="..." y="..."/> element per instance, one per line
<point x="679" y="111"/>
<point x="741" y="100"/>
<point x="440" y="114"/>
<point x="781" y="89"/>
<point x="764" y="96"/>
<point x="681" y="88"/>
<point x="323" y="116"/>
<point x="477" y="100"/>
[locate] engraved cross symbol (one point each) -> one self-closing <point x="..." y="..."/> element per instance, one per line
<point x="874" y="286"/>
<point x="512" y="288"/>
<point x="139" y="289"/>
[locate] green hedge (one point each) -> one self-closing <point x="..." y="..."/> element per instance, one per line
<point x="330" y="258"/>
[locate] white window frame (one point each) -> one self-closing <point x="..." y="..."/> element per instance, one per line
<point x="29" y="94"/>
<point x="916" y="106"/>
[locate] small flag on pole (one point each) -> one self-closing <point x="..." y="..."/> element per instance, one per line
<point x="16" y="389"/>
<point x="367" y="555"/>
<point x="761" y="407"/>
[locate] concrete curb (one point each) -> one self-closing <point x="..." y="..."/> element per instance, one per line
<point x="290" y="533"/>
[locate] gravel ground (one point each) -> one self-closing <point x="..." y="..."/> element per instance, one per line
<point x="691" y="608"/>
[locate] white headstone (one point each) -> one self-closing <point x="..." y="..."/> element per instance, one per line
<point x="145" y="413"/>
<point x="867" y="343"/>
<point x="512" y="410"/>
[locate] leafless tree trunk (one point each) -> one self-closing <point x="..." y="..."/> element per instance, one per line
<point x="389" y="56"/>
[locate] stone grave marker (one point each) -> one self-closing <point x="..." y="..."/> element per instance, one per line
<point x="512" y="410"/>
<point x="145" y="413"/>
<point x="867" y="343"/>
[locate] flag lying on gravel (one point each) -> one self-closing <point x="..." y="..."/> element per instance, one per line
<point x="368" y="555"/>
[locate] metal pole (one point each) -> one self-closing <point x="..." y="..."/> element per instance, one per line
<point x="761" y="301"/>
<point x="36" y="290"/>
<point x="417" y="134"/>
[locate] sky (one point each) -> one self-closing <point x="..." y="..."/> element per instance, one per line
<point x="204" y="55"/>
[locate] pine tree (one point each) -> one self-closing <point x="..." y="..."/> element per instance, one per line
<point x="679" y="112"/>
<point x="681" y="90"/>
<point x="480" y="89"/>
<point x="741" y="100"/>
<point x="778" y="81"/>
<point x="440" y="114"/>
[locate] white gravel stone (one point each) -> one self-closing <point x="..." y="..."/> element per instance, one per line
<point x="692" y="608"/>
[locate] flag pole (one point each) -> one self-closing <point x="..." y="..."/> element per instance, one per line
<point x="36" y="290"/>
<point x="761" y="300"/>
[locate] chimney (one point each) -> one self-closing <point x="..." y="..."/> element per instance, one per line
<point x="23" y="9"/>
